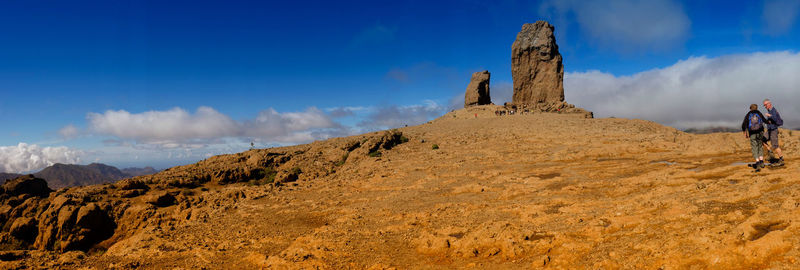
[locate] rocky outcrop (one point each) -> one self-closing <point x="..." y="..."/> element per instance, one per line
<point x="536" y="66"/>
<point x="538" y="72"/>
<point x="26" y="185"/>
<point x="32" y="216"/>
<point x="478" y="90"/>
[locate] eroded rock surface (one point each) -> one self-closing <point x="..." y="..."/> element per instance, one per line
<point x="497" y="193"/>
<point x="26" y="185"/>
<point x="536" y="66"/>
<point x="478" y="90"/>
<point x="122" y="216"/>
<point x="538" y="72"/>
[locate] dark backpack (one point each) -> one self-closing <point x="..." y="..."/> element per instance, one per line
<point x="754" y="122"/>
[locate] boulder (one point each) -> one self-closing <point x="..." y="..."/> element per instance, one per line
<point x="27" y="184"/>
<point x="478" y="90"/>
<point x="162" y="199"/>
<point x="24" y="229"/>
<point x="66" y="226"/>
<point x="132" y="184"/>
<point x="92" y="225"/>
<point x="536" y="67"/>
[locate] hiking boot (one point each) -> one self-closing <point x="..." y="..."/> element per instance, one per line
<point x="779" y="162"/>
<point x="761" y="164"/>
<point x="773" y="160"/>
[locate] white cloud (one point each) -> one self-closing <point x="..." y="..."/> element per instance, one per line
<point x="175" y="124"/>
<point x="69" y="132"/>
<point x="501" y="92"/>
<point x="696" y="92"/>
<point x="347" y="111"/>
<point x="779" y="16"/>
<point x="398" y="116"/>
<point x="31" y="157"/>
<point x="624" y="24"/>
<point x="292" y="127"/>
<point x="177" y="128"/>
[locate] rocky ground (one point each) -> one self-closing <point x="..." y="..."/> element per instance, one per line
<point x="468" y="190"/>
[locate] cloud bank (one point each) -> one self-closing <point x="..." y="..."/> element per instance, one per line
<point x="398" y="116"/>
<point x="177" y="128"/>
<point x="30" y="157"/>
<point x="625" y="24"/>
<point x="696" y="92"/>
<point x="293" y="127"/>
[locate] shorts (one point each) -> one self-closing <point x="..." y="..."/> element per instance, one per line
<point x="772" y="135"/>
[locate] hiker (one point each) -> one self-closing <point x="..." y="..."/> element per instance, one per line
<point x="753" y="128"/>
<point x="773" y="122"/>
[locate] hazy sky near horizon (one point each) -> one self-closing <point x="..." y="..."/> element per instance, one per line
<point x="164" y="83"/>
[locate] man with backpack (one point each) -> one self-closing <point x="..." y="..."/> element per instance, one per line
<point x="753" y="128"/>
<point x="774" y="121"/>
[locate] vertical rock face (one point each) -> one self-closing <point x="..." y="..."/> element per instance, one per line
<point x="536" y="68"/>
<point x="478" y="90"/>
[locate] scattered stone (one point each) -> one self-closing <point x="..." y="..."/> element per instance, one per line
<point x="291" y="175"/>
<point x="131" y="193"/>
<point x="387" y="141"/>
<point x="130" y="184"/>
<point x="478" y="90"/>
<point x="162" y="199"/>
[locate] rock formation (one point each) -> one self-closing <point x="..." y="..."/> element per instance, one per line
<point x="25" y="185"/>
<point x="35" y="217"/>
<point x="536" y="66"/>
<point x="602" y="187"/>
<point x="478" y="90"/>
<point x="538" y="71"/>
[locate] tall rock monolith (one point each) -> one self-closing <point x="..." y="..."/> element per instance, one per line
<point x="536" y="67"/>
<point x="478" y="90"/>
<point x="538" y="71"/>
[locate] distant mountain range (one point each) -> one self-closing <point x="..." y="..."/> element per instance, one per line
<point x="712" y="130"/>
<point x="708" y="130"/>
<point x="69" y="175"/>
<point x="6" y="176"/>
<point x="131" y="172"/>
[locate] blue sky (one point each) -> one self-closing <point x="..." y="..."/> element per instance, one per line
<point x="163" y="83"/>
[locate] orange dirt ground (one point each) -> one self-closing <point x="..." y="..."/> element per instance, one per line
<point x="508" y="192"/>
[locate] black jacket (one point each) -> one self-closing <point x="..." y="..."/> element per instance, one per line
<point x="745" y="122"/>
